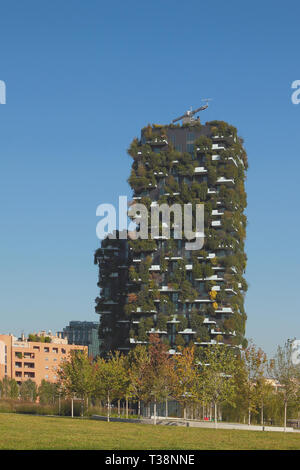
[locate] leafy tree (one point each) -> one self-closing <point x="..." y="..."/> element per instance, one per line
<point x="138" y="368"/>
<point x="112" y="380"/>
<point x="77" y="376"/>
<point x="9" y="388"/>
<point x="159" y="372"/>
<point x="216" y="378"/>
<point x="28" y="391"/>
<point x="254" y="361"/>
<point x="47" y="392"/>
<point x="283" y="370"/>
<point x="185" y="388"/>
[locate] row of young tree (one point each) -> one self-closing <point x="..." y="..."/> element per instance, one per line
<point x="47" y="393"/>
<point x="218" y="376"/>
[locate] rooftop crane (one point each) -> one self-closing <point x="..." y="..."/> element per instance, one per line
<point x="188" y="116"/>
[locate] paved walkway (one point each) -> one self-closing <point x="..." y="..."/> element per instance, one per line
<point x="196" y="424"/>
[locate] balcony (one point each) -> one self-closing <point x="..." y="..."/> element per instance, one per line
<point x="157" y="142"/>
<point x="154" y="267"/>
<point x="216" y="223"/>
<point x="200" y="169"/>
<point x="218" y="147"/>
<point x="216" y="212"/>
<point x="207" y="321"/>
<point x="224" y="310"/>
<point x="187" y="331"/>
<point x="223" y="180"/>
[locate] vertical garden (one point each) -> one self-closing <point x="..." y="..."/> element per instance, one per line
<point x="157" y="285"/>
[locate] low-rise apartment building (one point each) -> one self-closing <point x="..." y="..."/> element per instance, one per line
<point x="22" y="359"/>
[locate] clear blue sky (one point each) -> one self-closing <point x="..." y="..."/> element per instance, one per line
<point x="82" y="79"/>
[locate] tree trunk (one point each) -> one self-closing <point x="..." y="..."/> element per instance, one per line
<point x="249" y="416"/>
<point x="119" y="411"/>
<point x="59" y="405"/>
<point x="167" y="411"/>
<point x="285" y="413"/>
<point x="154" y="411"/>
<point x="216" y="415"/>
<point x="127" y="408"/>
<point x="262" y="413"/>
<point x="108" y="407"/>
<point x="139" y="408"/>
<point x="72" y="407"/>
<point x="184" y="411"/>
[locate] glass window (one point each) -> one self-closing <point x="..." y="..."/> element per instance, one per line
<point x="190" y="148"/>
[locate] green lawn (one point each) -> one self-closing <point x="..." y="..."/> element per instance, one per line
<point x="39" y="432"/>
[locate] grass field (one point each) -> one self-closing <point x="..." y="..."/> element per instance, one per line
<point x="25" y="432"/>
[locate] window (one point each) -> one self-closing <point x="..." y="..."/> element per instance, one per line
<point x="55" y="350"/>
<point x="46" y="350"/>
<point x="190" y="148"/>
<point x="46" y="376"/>
<point x="190" y="136"/>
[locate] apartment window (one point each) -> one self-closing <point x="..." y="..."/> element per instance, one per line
<point x="46" y="350"/>
<point x="190" y="148"/>
<point x="29" y="375"/>
<point x="63" y="351"/>
<point x="190" y="136"/>
<point x="29" y="365"/>
<point x="55" y="350"/>
<point x="36" y="347"/>
<point x="18" y="364"/>
<point x="46" y="376"/>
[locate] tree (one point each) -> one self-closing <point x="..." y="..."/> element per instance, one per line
<point x="185" y="388"/>
<point x="111" y="379"/>
<point x="77" y="375"/>
<point x="255" y="361"/>
<point x="47" y="392"/>
<point x="28" y="390"/>
<point x="287" y="374"/>
<point x="138" y="366"/>
<point x="264" y="392"/>
<point x="9" y="388"/>
<point x="216" y="377"/>
<point x="158" y="374"/>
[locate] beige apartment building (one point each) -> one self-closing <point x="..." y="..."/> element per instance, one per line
<point x="22" y="359"/>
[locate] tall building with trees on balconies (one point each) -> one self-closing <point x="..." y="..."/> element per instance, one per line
<point x="159" y="286"/>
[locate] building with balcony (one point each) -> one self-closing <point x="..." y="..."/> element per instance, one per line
<point x="21" y="359"/>
<point x="158" y="285"/>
